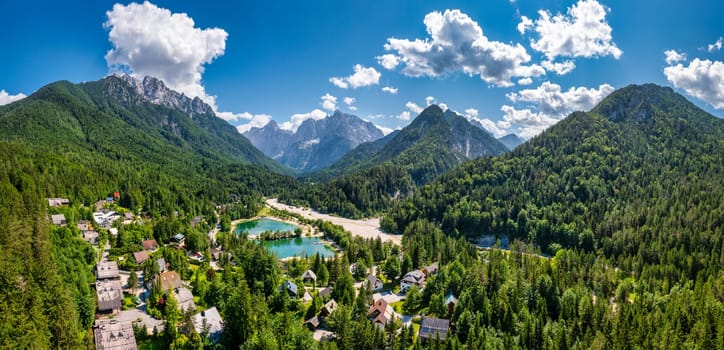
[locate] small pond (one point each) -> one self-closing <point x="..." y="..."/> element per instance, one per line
<point x="255" y="227"/>
<point x="301" y="246"/>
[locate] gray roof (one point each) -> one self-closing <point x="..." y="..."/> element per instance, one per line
<point x="309" y="274"/>
<point x="432" y="327"/>
<point x="58" y="219"/>
<point x="169" y="280"/>
<point x="185" y="299"/>
<point x="107" y="269"/>
<point x="414" y="277"/>
<point x="213" y="321"/>
<point x="325" y="292"/>
<point x="110" y="295"/>
<point x="291" y="287"/>
<point x="114" y="335"/>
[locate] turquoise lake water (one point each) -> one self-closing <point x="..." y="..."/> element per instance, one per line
<point x="302" y="246"/>
<point x="285" y="248"/>
<point x="255" y="227"/>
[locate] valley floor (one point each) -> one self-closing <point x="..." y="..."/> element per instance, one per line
<point x="366" y="228"/>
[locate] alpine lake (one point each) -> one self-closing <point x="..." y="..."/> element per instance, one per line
<point x="288" y="247"/>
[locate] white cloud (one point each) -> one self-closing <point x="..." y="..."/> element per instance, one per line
<point x="702" y="79"/>
<point x="561" y="68"/>
<point x="329" y="102"/>
<point x="405" y="116"/>
<point x="388" y="61"/>
<point x="471" y="113"/>
<point x="582" y="32"/>
<point x="525" y="24"/>
<point x="674" y="57"/>
<point x="255" y="121"/>
<point x="151" y="41"/>
<point x="547" y="104"/>
<point x="6" y="98"/>
<point x="349" y="101"/>
<point x="457" y="44"/>
<point x="296" y="120"/>
<point x="361" y="77"/>
<point x="413" y="107"/>
<point x="390" y="89"/>
<point x="525" y="81"/>
<point x="385" y="131"/>
<point x="429" y="100"/>
<point x="715" y="46"/>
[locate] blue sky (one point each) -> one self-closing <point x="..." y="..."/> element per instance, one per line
<point x="516" y="66"/>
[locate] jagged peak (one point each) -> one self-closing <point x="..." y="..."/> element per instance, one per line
<point x="154" y="90"/>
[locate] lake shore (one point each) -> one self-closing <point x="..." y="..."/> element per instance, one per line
<point x="365" y="228"/>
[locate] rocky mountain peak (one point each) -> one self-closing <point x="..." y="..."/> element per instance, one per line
<point x="153" y="90"/>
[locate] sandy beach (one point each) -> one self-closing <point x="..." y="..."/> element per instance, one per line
<point x="366" y="228"/>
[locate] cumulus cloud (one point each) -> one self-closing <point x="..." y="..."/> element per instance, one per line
<point x="703" y="79"/>
<point x="388" y="61"/>
<point x="457" y="44"/>
<point x="582" y="32"/>
<point x="525" y="24"/>
<point x="404" y="116"/>
<point x="488" y="125"/>
<point x="471" y="113"/>
<point x="429" y="100"/>
<point x="546" y="105"/>
<point x="255" y="121"/>
<point x="329" y="102"/>
<point x="390" y="89"/>
<point x="6" y="98"/>
<point x="151" y="41"/>
<point x="715" y="46"/>
<point x="296" y="120"/>
<point x="361" y="77"/>
<point x="413" y="107"/>
<point x="674" y="57"/>
<point x="561" y="68"/>
<point x="525" y="81"/>
<point x="385" y="131"/>
<point x="349" y="101"/>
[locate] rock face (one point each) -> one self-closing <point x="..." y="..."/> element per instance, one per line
<point x="153" y="90"/>
<point x="316" y="143"/>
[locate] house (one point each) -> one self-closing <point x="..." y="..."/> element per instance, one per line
<point x="380" y="313"/>
<point x="58" y="220"/>
<point x="141" y="257"/>
<point x="313" y="323"/>
<point x="185" y="299"/>
<point x="307" y="297"/>
<point x="430" y="270"/>
<point x="434" y="328"/>
<point x="169" y="280"/>
<point x="412" y="278"/>
<point x="374" y="283"/>
<point x="210" y="321"/>
<point x="196" y="220"/>
<point x="291" y="288"/>
<point x="114" y="335"/>
<point x="90" y="237"/>
<point x="326" y="292"/>
<point x="450" y="302"/>
<point x="150" y="245"/>
<point x="161" y="264"/>
<point x="85" y="225"/>
<point x="328" y="308"/>
<point x="57" y="202"/>
<point x="128" y="216"/>
<point x="105" y="220"/>
<point x="107" y="270"/>
<point x="309" y="275"/>
<point x="178" y="238"/>
<point x="110" y="296"/>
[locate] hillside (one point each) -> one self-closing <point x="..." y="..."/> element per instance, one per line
<point x="137" y="137"/>
<point x="366" y="180"/>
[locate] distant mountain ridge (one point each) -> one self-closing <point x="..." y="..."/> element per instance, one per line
<point x="433" y="143"/>
<point x="316" y="143"/>
<point x="511" y="141"/>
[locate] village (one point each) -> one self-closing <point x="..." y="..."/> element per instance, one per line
<point x="134" y="282"/>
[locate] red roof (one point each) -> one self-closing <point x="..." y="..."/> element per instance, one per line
<point x="150" y="244"/>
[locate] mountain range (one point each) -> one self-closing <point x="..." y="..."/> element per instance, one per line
<point x="316" y="144"/>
